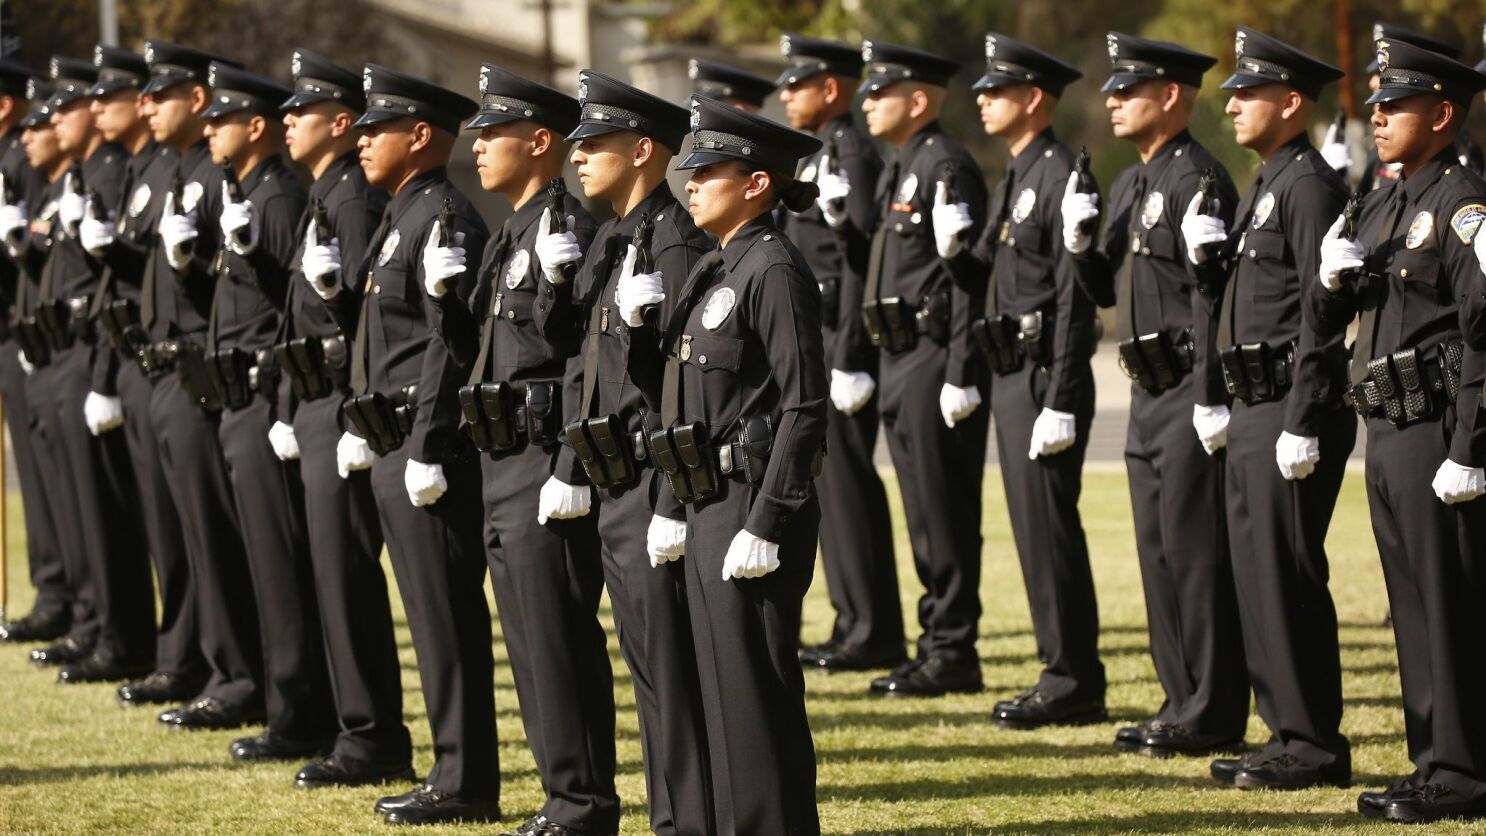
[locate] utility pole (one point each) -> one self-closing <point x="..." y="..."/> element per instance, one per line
<point x="1346" y="56"/>
<point x="108" y="22"/>
<point x="549" y="52"/>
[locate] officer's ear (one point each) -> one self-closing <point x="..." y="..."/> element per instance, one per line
<point x="341" y="122"/>
<point x="757" y="185"/>
<point x="1293" y="104"/>
<point x="1171" y="97"/>
<point x="830" y="88"/>
<point x="420" y="136"/>
<point x="1442" y="116"/>
<point x="199" y="98"/>
<point x="541" y="141"/>
<point x="7" y="108"/>
<point x="1036" y="98"/>
<point x="644" y="151"/>
<point x="257" y="128"/>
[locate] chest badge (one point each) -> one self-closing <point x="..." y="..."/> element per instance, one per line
<point x="907" y="190"/>
<point x="190" y="196"/>
<point x="1263" y="210"/>
<point x="719" y="305"/>
<point x="1467" y="222"/>
<point x="1419" y="230"/>
<point x="516" y="268"/>
<point x="140" y="200"/>
<point x="1025" y="203"/>
<point x="389" y="248"/>
<point x="1150" y="213"/>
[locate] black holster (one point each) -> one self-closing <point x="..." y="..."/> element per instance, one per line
<point x="830" y="302"/>
<point x="1255" y="373"/>
<point x="489" y="416"/>
<point x="999" y="340"/>
<point x="889" y="325"/>
<point x="195" y="372"/>
<point x="543" y="416"/>
<point x="54" y="317"/>
<point x="228" y="370"/>
<point x="122" y="327"/>
<point x="384" y="422"/>
<point x="316" y="366"/>
<point x="30" y="337"/>
<point x="1154" y="362"/>
<point x="607" y="451"/>
<point x="1410" y="385"/>
<point x="684" y="453"/>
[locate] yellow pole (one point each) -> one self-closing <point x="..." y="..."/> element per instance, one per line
<point x="4" y="530"/>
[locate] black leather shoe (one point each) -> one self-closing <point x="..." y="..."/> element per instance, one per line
<point x="850" y="657"/>
<point x="212" y="713"/>
<point x="339" y="771"/>
<point x="810" y="656"/>
<point x="1166" y="741"/>
<point x="160" y="688"/>
<point x="1427" y="803"/>
<point x="1132" y="738"/>
<point x="1372" y="802"/>
<point x="36" y="627"/>
<point x="540" y="825"/>
<point x="427" y="805"/>
<point x="1225" y="769"/>
<point x="933" y="677"/>
<point x="95" y="668"/>
<point x="1033" y="709"/>
<point x="388" y="803"/>
<point x="1287" y="772"/>
<point x="271" y="747"/>
<point x="70" y="649"/>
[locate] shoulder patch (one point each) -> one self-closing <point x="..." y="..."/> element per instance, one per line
<point x="1467" y="222"/>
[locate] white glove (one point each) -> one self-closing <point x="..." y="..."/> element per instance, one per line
<point x="71" y="207"/>
<point x="281" y="438"/>
<point x="1334" y="149"/>
<point x="633" y="294"/>
<point x="850" y="391"/>
<point x="1201" y="231"/>
<point x="956" y="404"/>
<point x="1480" y="248"/>
<point x="239" y="224"/>
<point x="749" y="557"/>
<point x="553" y="251"/>
<point x="949" y="221"/>
<point x="25" y="364"/>
<point x="102" y="413"/>
<point x="1456" y="483"/>
<point x="1297" y="455"/>
<point x="560" y="501"/>
<point x="1211" y="423"/>
<point x="178" y="233"/>
<point x="665" y="540"/>
<point x="13" y="223"/>
<point x="440" y="264"/>
<point x="1052" y="433"/>
<point x="1338" y="256"/>
<point x="352" y="453"/>
<point x="425" y="483"/>
<point x="835" y="187"/>
<point x="321" y="264"/>
<point x="96" y="234"/>
<point x="1077" y="207"/>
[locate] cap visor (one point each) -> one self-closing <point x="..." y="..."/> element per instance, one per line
<point x="376" y="117"/>
<point x="1393" y="94"/>
<point x="588" y="129"/>
<point x="1119" y="81"/>
<point x="992" y="80"/>
<point x="219" y="110"/>
<point x="879" y="82"/>
<point x="794" y="76"/>
<point x="162" y="82"/>
<point x="103" y="88"/>
<point x="486" y="118"/>
<point x="303" y="100"/>
<point x="1239" y="81"/>
<point x="697" y="159"/>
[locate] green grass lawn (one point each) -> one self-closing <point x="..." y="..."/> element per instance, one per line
<point x="71" y="760"/>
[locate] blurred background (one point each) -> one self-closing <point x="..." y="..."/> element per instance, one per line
<point x="649" y="43"/>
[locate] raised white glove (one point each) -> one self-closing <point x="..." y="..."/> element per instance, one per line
<point x="850" y="391"/>
<point x="425" y="483"/>
<point x="440" y="264"/>
<point x="665" y="540"/>
<point x="1297" y="455"/>
<point x="1211" y="423"/>
<point x="177" y="233"/>
<point x="239" y="223"/>
<point x="13" y="223"/>
<point x="96" y="234"/>
<point x="634" y="293"/>
<point x="1052" y="433"/>
<point x="1201" y="231"/>
<point x="949" y="221"/>
<point x="1334" y="149"/>
<point x="553" y="251"/>
<point x="71" y="207"/>
<point x="102" y="413"/>
<point x="281" y="438"/>
<point x="352" y="453"/>
<point x="956" y="404"/>
<point x="1456" y="483"/>
<point x="560" y="501"/>
<point x="1338" y="256"/>
<point x="835" y="187"/>
<point x="25" y="364"/>
<point x="749" y="557"/>
<point x="1076" y="208"/>
<point x="321" y="264"/>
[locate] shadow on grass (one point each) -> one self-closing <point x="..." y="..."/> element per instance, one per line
<point x="11" y="776"/>
<point x="990" y="750"/>
<point x="1176" y="822"/>
<point x="1009" y="786"/>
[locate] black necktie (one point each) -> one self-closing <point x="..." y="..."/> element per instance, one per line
<point x="487" y="331"/>
<point x="879" y="238"/>
<point x="363" y="339"/>
<point x="1376" y="292"/>
<point x="701" y="276"/>
<point x="1002" y="201"/>
<point x="595" y="325"/>
<point x="1125" y="293"/>
<point x="1230" y="293"/>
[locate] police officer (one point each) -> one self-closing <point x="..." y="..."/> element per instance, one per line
<point x="1037" y="333"/>
<point x="818" y="88"/>
<point x="1408" y="269"/>
<point x="116" y="569"/>
<point x="262" y="202"/>
<point x="1376" y="173"/>
<point x="1164" y="288"/>
<point x="1290" y="434"/>
<point x="175" y="303"/>
<point x="744" y="386"/>
<point x="345" y="536"/>
<point x="920" y="319"/>
<point x="120" y="238"/>
<point x="51" y="612"/>
<point x="739" y="88"/>
<point x="406" y="398"/>
<point x="541" y="542"/>
<point x="622" y="147"/>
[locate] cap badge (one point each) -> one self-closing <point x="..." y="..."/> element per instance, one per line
<point x="149" y="53"/>
<point x="990" y="47"/>
<point x="484" y="80"/>
<point x="784" y="45"/>
<point x="294" y="65"/>
<point x="696" y="116"/>
<point x="98" y="56"/>
<point x="56" y="69"/>
<point x="1114" y="46"/>
<point x="366" y="81"/>
<point x="582" y="90"/>
<point x="1382" y="56"/>
<point x="867" y="51"/>
<point x="1238" y="44"/>
<point x="692" y="69"/>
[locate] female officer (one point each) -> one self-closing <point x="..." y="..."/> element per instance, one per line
<point x="742" y="399"/>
